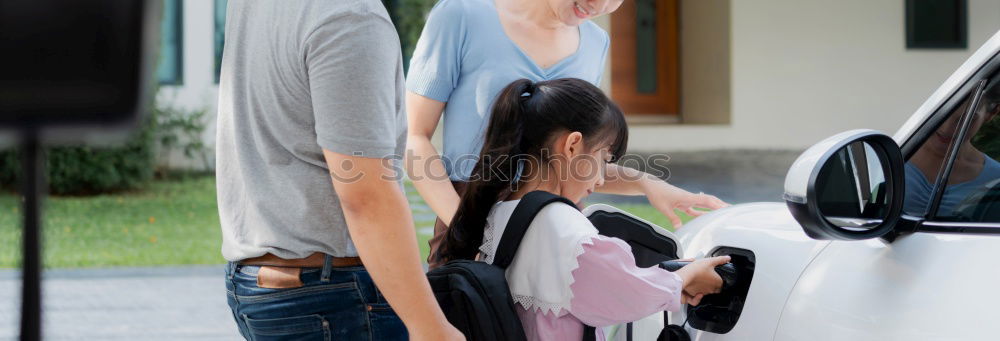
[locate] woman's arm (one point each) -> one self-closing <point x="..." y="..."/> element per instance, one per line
<point x="662" y="195"/>
<point x="423" y="163"/>
<point x="625" y="181"/>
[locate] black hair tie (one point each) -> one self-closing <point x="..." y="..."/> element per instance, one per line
<point x="529" y="90"/>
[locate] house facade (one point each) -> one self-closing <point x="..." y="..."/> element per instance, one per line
<point x="702" y="75"/>
<point x="784" y="74"/>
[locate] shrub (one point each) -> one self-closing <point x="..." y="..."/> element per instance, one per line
<point x="91" y="170"/>
<point x="94" y="170"/>
<point x="408" y="17"/>
<point x="181" y="130"/>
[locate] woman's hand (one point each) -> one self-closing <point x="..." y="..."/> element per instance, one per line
<point x="666" y="198"/>
<point x="700" y="278"/>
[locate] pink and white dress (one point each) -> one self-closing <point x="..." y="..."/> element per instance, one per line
<point x="565" y="275"/>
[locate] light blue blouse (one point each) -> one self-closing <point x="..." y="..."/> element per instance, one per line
<point x="919" y="189"/>
<point x="465" y="58"/>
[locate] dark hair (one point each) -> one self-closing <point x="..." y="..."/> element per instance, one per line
<point x="991" y="96"/>
<point x="524" y="120"/>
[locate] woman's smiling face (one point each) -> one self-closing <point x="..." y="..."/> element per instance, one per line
<point x="939" y="142"/>
<point x="575" y="12"/>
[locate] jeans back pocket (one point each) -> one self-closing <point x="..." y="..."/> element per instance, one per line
<point x="308" y="327"/>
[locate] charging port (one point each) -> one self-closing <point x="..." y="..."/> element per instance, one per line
<point x="719" y="313"/>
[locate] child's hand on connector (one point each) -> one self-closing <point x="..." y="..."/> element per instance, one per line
<point x="700" y="279"/>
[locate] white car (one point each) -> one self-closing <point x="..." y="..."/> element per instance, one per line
<point x="866" y="247"/>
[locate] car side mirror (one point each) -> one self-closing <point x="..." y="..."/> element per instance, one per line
<point x="847" y="187"/>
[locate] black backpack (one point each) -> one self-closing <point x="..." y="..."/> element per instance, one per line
<point x="474" y="295"/>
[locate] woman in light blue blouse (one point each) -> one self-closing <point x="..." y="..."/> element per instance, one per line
<point x="973" y="171"/>
<point x="468" y="51"/>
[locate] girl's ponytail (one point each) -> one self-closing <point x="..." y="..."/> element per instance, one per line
<point x="492" y="174"/>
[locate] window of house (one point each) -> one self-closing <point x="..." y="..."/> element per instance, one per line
<point x="169" y="70"/>
<point x="220" y="34"/>
<point x="936" y="23"/>
<point x="644" y="57"/>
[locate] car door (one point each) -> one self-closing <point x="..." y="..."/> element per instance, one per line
<point x="937" y="277"/>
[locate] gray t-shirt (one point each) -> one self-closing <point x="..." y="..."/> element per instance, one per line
<point x="299" y="77"/>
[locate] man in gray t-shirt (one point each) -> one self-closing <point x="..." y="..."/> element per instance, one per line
<point x="311" y="123"/>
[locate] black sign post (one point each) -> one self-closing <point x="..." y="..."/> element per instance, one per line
<point x="32" y="164"/>
<point x="72" y="72"/>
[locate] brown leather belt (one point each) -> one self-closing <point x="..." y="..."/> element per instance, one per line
<point x="314" y="260"/>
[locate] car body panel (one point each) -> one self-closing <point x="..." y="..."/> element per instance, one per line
<point x="782" y="251"/>
<point x="922" y="286"/>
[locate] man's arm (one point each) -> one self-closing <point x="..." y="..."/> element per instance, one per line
<point x="379" y="220"/>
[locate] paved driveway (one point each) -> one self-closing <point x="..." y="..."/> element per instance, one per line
<point x="168" y="303"/>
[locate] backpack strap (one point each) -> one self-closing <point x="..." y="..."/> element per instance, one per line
<point x="517" y="226"/>
<point x="590" y="333"/>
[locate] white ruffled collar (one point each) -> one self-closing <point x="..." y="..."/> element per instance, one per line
<point x="542" y="271"/>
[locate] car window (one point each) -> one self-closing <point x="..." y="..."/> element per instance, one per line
<point x="972" y="191"/>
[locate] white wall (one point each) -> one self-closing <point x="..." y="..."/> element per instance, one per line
<point x="198" y="89"/>
<point x="705" y="62"/>
<point x="803" y="70"/>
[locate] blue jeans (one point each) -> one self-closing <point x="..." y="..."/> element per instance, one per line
<point x="333" y="304"/>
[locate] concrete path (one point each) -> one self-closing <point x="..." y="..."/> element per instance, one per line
<point x="168" y="303"/>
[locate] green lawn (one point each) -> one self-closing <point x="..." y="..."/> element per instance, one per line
<point x="170" y="222"/>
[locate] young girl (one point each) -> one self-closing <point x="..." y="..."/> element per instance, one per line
<point x="557" y="136"/>
<point x="467" y="52"/>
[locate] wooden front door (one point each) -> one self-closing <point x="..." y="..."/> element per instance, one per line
<point x="644" y="57"/>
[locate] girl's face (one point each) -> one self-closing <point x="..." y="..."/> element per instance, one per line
<point x="575" y="12"/>
<point x="580" y="169"/>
